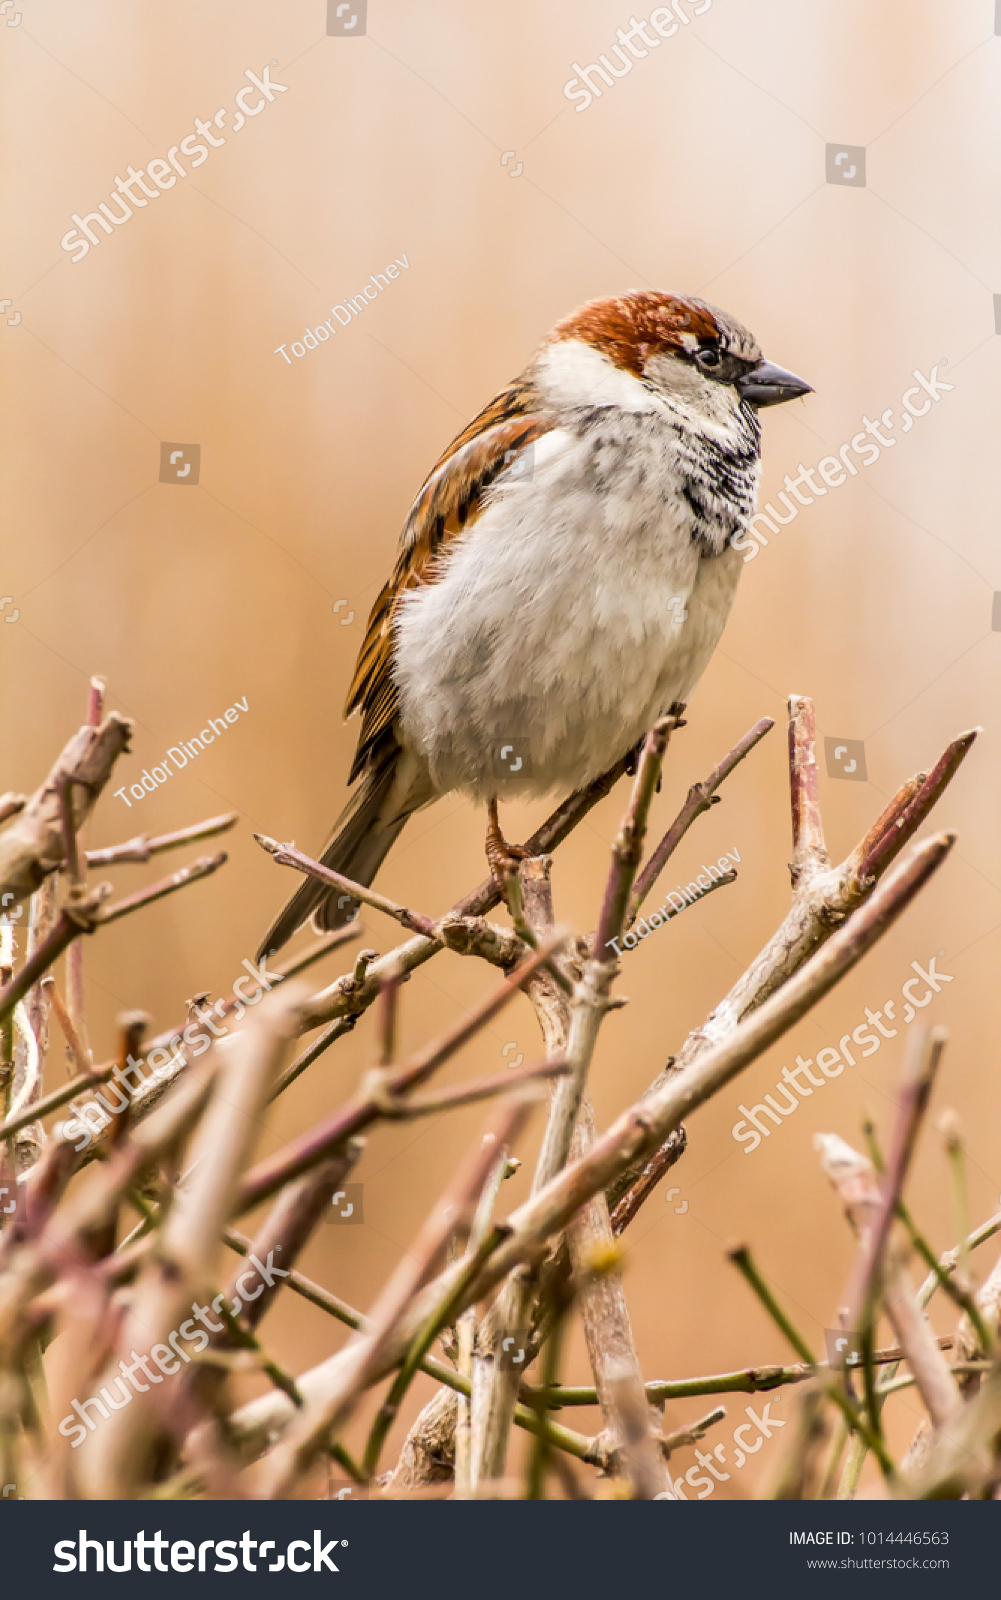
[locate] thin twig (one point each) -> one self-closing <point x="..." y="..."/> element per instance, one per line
<point x="202" y="868"/>
<point x="561" y="1300"/>
<point x="627" y="850"/>
<point x="76" y="917"/>
<point x="921" y="1062"/>
<point x="693" y="1432"/>
<point x="466" y="1324"/>
<point x="57" y="1098"/>
<point x="950" y="1130"/>
<point x="142" y="847"/>
<point x="700" y="797"/>
<point x="64" y="792"/>
<point x="245" y="1340"/>
<point x="740" y="1255"/>
<point x="748" y="1380"/>
<point x="330" y="1034"/>
<point x="909" y="809"/>
<point x="957" y="1293"/>
<point x="809" y="849"/>
<point x="286" y="855"/>
<point x="32" y="845"/>
<point x="388" y="1017"/>
<point x="81" y="1057"/>
<point x="467" y="1094"/>
<point x="951" y="1258"/>
<point x="931" y="1371"/>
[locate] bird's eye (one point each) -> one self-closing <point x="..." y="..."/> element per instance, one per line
<point x="708" y="358"/>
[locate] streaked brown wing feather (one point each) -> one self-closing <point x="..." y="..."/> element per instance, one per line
<point x="449" y="501"/>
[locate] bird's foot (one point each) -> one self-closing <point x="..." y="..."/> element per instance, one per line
<point x="633" y="758"/>
<point x="502" y="858"/>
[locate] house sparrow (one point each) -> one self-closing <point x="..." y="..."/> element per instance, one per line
<point x="564" y="575"/>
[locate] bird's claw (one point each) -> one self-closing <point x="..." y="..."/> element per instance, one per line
<point x="502" y="857"/>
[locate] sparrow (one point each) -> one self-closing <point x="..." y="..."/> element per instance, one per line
<point x="563" y="577"/>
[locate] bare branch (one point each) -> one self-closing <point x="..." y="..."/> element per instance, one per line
<point x="81" y="1057"/>
<point x="809" y="851"/>
<point x="822" y="899"/>
<point x="931" y="1371"/>
<point x="286" y="855"/>
<point x="57" y="1098"/>
<point x="331" y="1033"/>
<point x="79" y="915"/>
<point x="921" y="1062"/>
<point x="749" y="1380"/>
<point x="64" y="794"/>
<point x="202" y="868"/>
<point x="468" y="1094"/>
<point x="365" y="1359"/>
<point x="41" y="920"/>
<point x="694" y="1432"/>
<point x="909" y="809"/>
<point x="648" y="1122"/>
<point x="142" y="847"/>
<point x="627" y="851"/>
<point x="367" y="1106"/>
<point x="33" y="845"/>
<point x="188" y="1240"/>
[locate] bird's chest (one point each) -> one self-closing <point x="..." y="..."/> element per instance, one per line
<point x="662" y="484"/>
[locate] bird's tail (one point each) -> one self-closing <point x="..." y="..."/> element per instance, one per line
<point x="362" y="837"/>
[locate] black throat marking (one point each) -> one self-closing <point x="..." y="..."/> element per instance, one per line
<point x="718" y="481"/>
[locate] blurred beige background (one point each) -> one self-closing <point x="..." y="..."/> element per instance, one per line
<point x="702" y="170"/>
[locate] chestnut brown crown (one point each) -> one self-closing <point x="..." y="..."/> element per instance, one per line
<point x="632" y="329"/>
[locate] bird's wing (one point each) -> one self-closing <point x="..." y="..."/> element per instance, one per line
<point x="449" y="501"/>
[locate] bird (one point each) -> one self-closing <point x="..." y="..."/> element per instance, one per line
<point x="564" y="575"/>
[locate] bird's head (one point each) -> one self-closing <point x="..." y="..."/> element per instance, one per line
<point x="686" y="350"/>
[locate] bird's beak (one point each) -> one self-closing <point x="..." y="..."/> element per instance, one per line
<point x="766" y="385"/>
